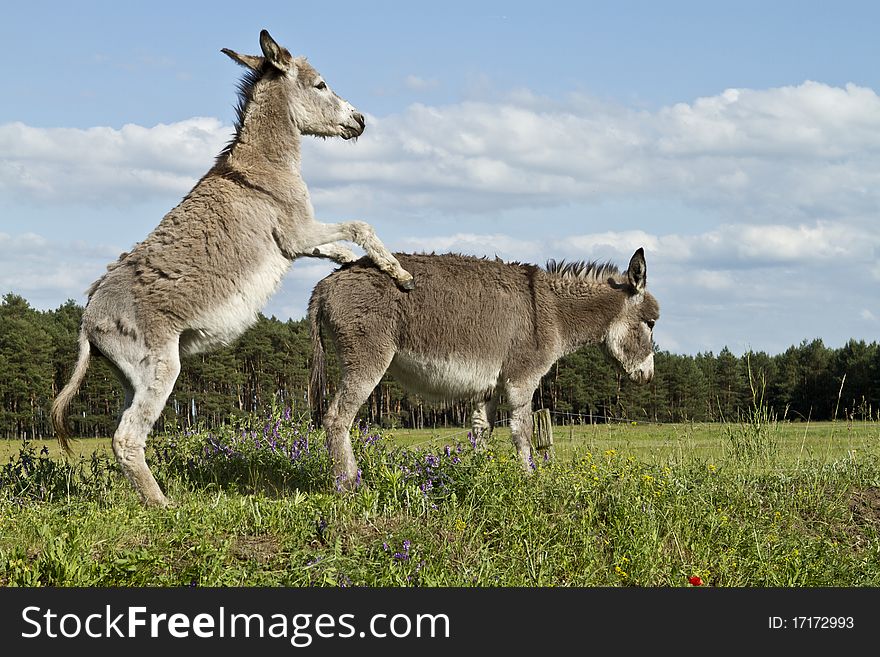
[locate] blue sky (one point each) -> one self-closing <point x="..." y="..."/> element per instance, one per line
<point x="739" y="143"/>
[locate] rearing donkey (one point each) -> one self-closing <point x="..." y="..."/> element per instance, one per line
<point x="201" y="277"/>
<point x="473" y="329"/>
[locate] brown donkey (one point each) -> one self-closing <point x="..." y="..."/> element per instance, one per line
<point x="473" y="329"/>
<point x="201" y="277"/>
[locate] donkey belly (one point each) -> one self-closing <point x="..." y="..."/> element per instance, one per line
<point x="444" y="377"/>
<point x="232" y="315"/>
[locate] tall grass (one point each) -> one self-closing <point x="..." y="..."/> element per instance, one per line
<point x="755" y="434"/>
<point x="255" y="505"/>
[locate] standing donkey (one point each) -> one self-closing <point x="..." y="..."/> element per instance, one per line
<point x="201" y="277"/>
<point x="473" y="329"/>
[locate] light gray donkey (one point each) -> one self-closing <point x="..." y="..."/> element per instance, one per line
<point x="473" y="329"/>
<point x="201" y="277"/>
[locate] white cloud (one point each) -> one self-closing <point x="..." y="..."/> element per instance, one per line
<point x="796" y="152"/>
<point x="709" y="257"/>
<point x="787" y="154"/>
<point x="97" y="165"/>
<point x="812" y="120"/>
<point x="738" y="245"/>
<point x="48" y="272"/>
<point x="416" y="83"/>
<point x="713" y="280"/>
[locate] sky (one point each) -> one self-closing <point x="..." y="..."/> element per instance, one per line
<point x="737" y="142"/>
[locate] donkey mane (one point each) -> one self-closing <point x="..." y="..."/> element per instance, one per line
<point x="597" y="271"/>
<point x="245" y="94"/>
<point x="245" y="91"/>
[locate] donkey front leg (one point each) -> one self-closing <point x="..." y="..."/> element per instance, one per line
<point x="521" y="425"/>
<point x="334" y="252"/>
<point x="362" y="234"/>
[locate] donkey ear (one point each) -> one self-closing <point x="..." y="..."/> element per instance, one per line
<point x="276" y="55"/>
<point x="637" y="272"/>
<point x="250" y="61"/>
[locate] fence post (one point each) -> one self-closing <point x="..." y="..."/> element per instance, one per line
<point x="542" y="431"/>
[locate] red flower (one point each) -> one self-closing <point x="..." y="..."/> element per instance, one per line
<point x="695" y="580"/>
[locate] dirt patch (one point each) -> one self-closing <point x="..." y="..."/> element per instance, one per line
<point x="261" y="549"/>
<point x="364" y="531"/>
<point x="865" y="506"/>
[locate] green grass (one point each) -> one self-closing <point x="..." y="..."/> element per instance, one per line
<point x="619" y="505"/>
<point x="657" y="443"/>
<point x="798" y="441"/>
<point x="80" y="447"/>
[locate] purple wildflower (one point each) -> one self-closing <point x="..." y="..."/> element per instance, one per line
<point x="404" y="554"/>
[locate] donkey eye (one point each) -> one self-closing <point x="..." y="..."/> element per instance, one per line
<point x="321" y="85"/>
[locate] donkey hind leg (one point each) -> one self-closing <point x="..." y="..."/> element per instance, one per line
<point x="354" y="390"/>
<point x="362" y="234"/>
<point x="334" y="252"/>
<point x="520" y="400"/>
<point x="483" y="421"/>
<point x="148" y="384"/>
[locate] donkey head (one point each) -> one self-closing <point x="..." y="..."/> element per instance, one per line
<point x="313" y="107"/>
<point x="630" y="338"/>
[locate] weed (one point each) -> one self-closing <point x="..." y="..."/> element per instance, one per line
<point x="755" y="434"/>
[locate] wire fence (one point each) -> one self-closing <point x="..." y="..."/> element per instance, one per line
<point x="603" y="419"/>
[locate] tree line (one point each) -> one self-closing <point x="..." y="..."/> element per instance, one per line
<point x="269" y="365"/>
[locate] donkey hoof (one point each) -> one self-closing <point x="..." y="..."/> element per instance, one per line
<point x="407" y="285"/>
<point x="158" y="502"/>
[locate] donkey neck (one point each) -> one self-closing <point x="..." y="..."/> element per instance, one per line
<point x="584" y="310"/>
<point x="268" y="137"/>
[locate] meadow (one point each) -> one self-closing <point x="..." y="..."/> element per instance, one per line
<point x="758" y="502"/>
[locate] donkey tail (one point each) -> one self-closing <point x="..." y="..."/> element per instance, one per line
<point x="62" y="401"/>
<point x="318" y="379"/>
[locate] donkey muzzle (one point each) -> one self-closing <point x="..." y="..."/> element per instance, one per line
<point x="351" y="131"/>
<point x="644" y="373"/>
